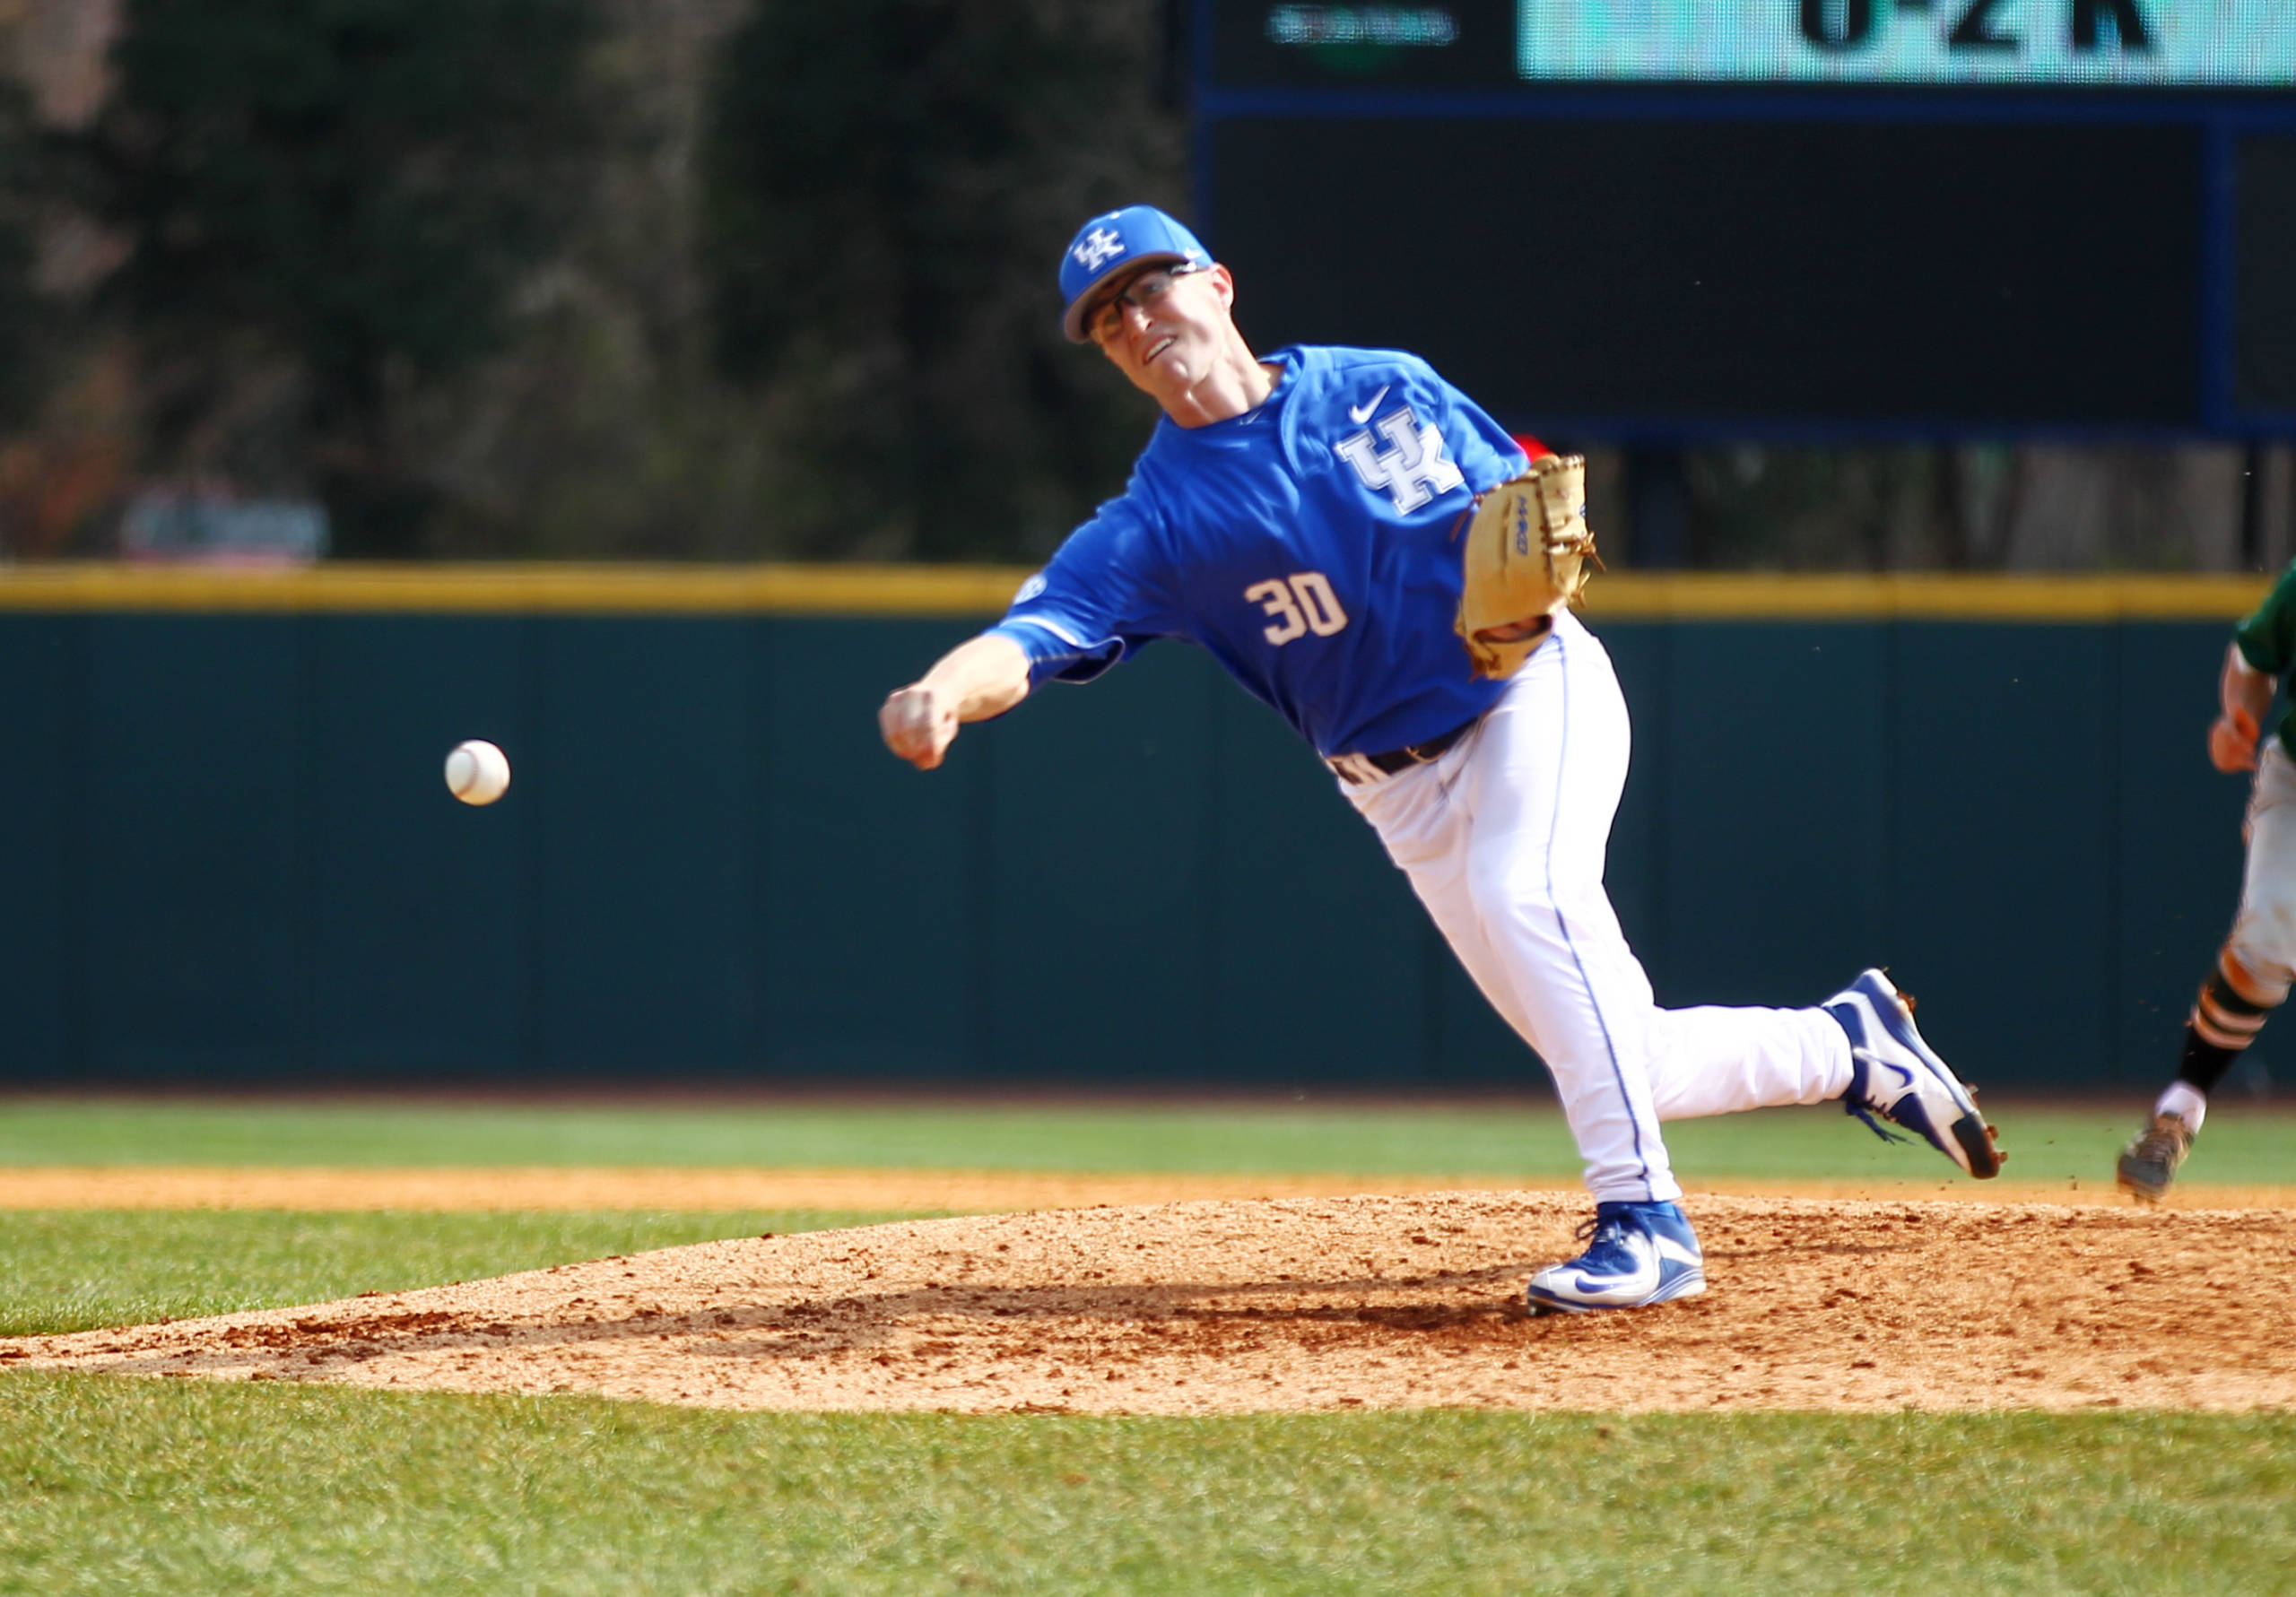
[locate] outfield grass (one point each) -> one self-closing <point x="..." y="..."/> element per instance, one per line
<point x="79" y="1269"/>
<point x="118" y="1485"/>
<point x="2050" y="1143"/>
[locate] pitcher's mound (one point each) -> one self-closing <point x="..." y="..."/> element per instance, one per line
<point x="1373" y="1302"/>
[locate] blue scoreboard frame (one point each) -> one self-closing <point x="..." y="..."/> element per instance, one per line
<point x="1793" y="219"/>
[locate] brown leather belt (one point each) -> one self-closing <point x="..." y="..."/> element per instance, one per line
<point x="1350" y="765"/>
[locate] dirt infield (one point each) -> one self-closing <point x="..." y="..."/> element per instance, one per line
<point x="1402" y="1300"/>
<point x="954" y="1192"/>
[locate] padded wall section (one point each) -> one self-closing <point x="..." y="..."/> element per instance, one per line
<point x="1316" y="955"/>
<point x="1093" y="912"/>
<point x="641" y="798"/>
<point x="2005" y="917"/>
<point x="421" y="928"/>
<point x="198" y="870"/>
<point x="228" y="857"/>
<point x="874" y="874"/>
<point x="42" y="852"/>
<point x="1777" y="811"/>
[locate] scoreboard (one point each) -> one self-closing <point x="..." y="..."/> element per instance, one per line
<point x="1796" y="219"/>
<point x="2243" y="44"/>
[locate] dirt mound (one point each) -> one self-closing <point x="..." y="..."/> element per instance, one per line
<point x="957" y="1192"/>
<point x="1328" y="1303"/>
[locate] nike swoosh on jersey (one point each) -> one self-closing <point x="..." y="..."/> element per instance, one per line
<point x="1363" y="414"/>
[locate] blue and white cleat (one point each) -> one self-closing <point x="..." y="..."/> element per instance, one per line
<point x="1639" y="1255"/>
<point x="1893" y="1074"/>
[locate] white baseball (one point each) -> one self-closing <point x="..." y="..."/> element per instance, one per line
<point x="477" y="772"/>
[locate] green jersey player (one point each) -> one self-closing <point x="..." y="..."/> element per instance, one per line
<point x="2253" y="969"/>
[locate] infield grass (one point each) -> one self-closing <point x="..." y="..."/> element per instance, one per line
<point x="2074" y="1143"/>
<point x="192" y="1488"/>
<point x="115" y="1485"/>
<point x="81" y="1269"/>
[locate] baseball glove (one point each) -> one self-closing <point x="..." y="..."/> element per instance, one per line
<point x="1528" y="553"/>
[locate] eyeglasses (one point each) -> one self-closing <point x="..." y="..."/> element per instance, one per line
<point x="1106" y="318"/>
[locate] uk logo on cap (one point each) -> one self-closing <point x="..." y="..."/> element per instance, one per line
<point x="1137" y="235"/>
<point x="1098" y="247"/>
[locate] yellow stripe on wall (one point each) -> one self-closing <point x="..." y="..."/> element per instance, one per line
<point x="520" y="589"/>
<point x="1993" y="596"/>
<point x="982" y="591"/>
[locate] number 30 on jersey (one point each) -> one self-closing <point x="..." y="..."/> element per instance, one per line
<point x="1301" y="604"/>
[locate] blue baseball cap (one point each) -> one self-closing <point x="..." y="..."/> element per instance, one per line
<point x="1107" y="244"/>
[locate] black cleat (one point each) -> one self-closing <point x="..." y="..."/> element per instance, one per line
<point x="2148" y="1164"/>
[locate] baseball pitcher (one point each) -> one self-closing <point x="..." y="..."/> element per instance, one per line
<point x="1367" y="552"/>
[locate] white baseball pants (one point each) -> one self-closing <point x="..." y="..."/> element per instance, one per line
<point x="2259" y="955"/>
<point x="2264" y="932"/>
<point x="1503" y="839"/>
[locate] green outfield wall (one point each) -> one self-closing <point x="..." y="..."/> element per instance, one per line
<point x="227" y="854"/>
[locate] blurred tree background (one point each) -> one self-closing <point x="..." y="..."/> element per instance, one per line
<point x="325" y="212"/>
<point x="887" y="183"/>
<point x="24" y="182"/>
<point x="735" y="279"/>
<point x="589" y="278"/>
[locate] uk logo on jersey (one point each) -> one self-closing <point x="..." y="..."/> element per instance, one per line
<point x="1411" y="470"/>
<point x="1098" y="247"/>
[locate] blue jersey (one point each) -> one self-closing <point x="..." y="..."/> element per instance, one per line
<point x="1311" y="544"/>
